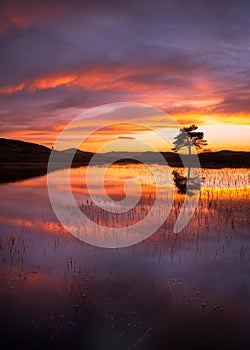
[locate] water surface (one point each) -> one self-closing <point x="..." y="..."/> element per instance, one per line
<point x="165" y="292"/>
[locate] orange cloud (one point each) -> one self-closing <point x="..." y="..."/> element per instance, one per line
<point x="200" y="104"/>
<point x="23" y="14"/>
<point x="93" y="80"/>
<point x="39" y="84"/>
<point x="11" y="89"/>
<point x="50" y="82"/>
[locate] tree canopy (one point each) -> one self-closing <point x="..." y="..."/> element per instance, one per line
<point x="188" y="137"/>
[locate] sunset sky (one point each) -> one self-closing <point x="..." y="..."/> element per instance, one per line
<point x="188" y="58"/>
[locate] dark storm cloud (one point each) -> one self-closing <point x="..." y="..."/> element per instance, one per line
<point x="113" y="33"/>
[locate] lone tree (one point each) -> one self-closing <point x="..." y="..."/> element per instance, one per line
<point x="188" y="137"/>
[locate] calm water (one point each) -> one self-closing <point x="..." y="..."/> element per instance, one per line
<point x="169" y="291"/>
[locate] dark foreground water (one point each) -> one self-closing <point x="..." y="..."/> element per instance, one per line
<point x="171" y="291"/>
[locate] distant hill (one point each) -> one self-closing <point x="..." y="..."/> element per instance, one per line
<point x="225" y="159"/>
<point x="15" y="151"/>
<point x="20" y="160"/>
<point x="20" y="151"/>
<point x="79" y="156"/>
<point x="221" y="159"/>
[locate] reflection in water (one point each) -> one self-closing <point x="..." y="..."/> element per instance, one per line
<point x="172" y="289"/>
<point x="186" y="185"/>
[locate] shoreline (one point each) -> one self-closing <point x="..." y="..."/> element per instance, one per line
<point x="19" y="171"/>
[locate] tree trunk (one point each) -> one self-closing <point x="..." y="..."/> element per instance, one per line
<point x="189" y="154"/>
<point x="188" y="177"/>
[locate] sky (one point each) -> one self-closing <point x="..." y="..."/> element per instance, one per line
<point x="189" y="58"/>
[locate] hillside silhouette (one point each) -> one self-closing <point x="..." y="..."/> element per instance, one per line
<point x="20" y="160"/>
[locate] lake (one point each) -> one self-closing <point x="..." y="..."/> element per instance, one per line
<point x="168" y="291"/>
